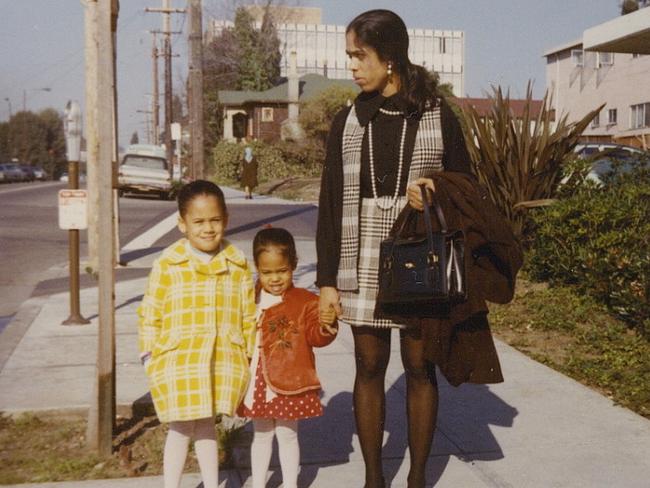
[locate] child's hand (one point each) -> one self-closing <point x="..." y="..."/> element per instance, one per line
<point x="326" y="319"/>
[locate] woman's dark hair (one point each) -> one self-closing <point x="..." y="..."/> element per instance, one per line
<point x="199" y="187"/>
<point x="386" y="33"/>
<point x="279" y="238"/>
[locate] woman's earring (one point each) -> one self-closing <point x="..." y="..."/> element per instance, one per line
<point x="389" y="71"/>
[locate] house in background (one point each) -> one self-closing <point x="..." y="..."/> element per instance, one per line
<point x="610" y="64"/>
<point x="272" y="115"/>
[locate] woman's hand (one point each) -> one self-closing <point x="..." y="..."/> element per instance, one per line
<point x="329" y="307"/>
<point x="414" y="194"/>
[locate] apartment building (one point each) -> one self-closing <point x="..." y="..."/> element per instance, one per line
<point x="605" y="67"/>
<point x="320" y="48"/>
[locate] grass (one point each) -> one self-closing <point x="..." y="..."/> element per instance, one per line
<point x="36" y="449"/>
<point x="576" y="336"/>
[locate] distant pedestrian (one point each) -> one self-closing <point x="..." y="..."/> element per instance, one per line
<point x="248" y="172"/>
<point x="286" y="387"/>
<point x="196" y="331"/>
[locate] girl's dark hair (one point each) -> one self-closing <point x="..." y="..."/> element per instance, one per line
<point x="199" y="187"/>
<point x="386" y="33"/>
<point x="279" y="238"/>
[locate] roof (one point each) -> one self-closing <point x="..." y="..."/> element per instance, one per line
<point x="564" y="47"/>
<point x="310" y="85"/>
<point x="625" y="34"/>
<point x="484" y="105"/>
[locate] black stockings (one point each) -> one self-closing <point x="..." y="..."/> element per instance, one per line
<point x="372" y="352"/>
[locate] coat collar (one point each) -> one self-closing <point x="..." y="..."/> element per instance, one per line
<point x="367" y="105"/>
<point x="178" y="253"/>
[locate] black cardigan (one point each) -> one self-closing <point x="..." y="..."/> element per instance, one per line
<point x="386" y="140"/>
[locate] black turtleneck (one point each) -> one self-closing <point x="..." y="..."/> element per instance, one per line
<point x="387" y="130"/>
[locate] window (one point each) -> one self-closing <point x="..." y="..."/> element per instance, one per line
<point x="605" y="59"/>
<point x="640" y="115"/>
<point x="577" y="57"/>
<point x="442" y="45"/>
<point x="596" y="120"/>
<point x="612" y="115"/>
<point x="267" y="114"/>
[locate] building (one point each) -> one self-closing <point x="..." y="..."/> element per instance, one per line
<point x="609" y="65"/>
<point x="320" y="48"/>
<point x="272" y="114"/>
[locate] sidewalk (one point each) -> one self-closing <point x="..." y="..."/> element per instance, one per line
<point x="538" y="429"/>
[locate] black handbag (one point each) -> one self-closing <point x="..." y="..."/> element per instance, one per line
<point x="421" y="275"/>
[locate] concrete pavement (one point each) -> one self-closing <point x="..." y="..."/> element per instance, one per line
<point x="538" y="429"/>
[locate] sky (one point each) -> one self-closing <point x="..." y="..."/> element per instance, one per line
<point x="42" y="45"/>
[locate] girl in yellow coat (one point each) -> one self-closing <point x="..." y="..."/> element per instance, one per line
<point x="196" y="333"/>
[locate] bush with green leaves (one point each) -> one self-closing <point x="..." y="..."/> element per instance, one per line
<point x="275" y="161"/>
<point x="599" y="241"/>
<point x="317" y="114"/>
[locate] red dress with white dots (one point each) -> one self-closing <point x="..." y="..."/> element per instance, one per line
<point x="282" y="407"/>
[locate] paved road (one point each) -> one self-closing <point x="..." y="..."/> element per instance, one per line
<point x="31" y="241"/>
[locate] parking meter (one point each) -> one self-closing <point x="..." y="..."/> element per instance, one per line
<point x="72" y="125"/>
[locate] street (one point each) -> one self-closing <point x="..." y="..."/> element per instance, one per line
<point x="31" y="241"/>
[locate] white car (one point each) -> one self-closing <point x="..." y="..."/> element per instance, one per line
<point x="144" y="169"/>
<point x="605" y="156"/>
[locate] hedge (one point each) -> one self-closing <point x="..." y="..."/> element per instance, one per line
<point x="599" y="241"/>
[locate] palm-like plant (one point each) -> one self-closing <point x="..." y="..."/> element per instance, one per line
<point x="520" y="160"/>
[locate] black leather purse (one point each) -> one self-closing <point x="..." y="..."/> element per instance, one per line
<point x="420" y="275"/>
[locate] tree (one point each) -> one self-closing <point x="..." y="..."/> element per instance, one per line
<point x="629" y="6"/>
<point x="316" y="114"/>
<point x="4" y="141"/>
<point x="37" y="139"/>
<point x="134" y="138"/>
<point x="251" y="63"/>
<point x="269" y="44"/>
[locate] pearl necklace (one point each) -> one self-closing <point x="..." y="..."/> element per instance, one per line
<point x="399" y="168"/>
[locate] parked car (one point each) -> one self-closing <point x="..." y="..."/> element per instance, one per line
<point x="28" y="172"/>
<point x="607" y="157"/>
<point x="145" y="169"/>
<point x="39" y="173"/>
<point x="64" y="177"/>
<point x="12" y="172"/>
<point x="2" y="176"/>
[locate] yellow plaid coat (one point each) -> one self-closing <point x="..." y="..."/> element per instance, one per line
<point x="198" y="321"/>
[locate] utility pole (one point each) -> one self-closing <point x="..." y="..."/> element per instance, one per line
<point x="166" y="10"/>
<point x="155" y="102"/>
<point x="90" y="120"/>
<point x="147" y="119"/>
<point x="101" y="414"/>
<point x="196" y="87"/>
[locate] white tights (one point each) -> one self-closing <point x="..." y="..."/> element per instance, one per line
<point x="205" y="446"/>
<point x="287" y="433"/>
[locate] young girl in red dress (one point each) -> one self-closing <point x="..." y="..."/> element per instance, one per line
<point x="286" y="387"/>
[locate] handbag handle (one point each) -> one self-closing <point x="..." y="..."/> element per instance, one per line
<point x="427" y="217"/>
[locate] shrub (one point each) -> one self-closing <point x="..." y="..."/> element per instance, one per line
<point x="599" y="241"/>
<point x="275" y="161"/>
<point x="316" y="114"/>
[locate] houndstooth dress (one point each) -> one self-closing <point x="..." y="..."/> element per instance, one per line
<point x="374" y="224"/>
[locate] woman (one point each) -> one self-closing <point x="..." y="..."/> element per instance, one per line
<point x="248" y="172"/>
<point x="397" y="131"/>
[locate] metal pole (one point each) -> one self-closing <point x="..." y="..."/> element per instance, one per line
<point x="156" y="98"/>
<point x="168" y="86"/>
<point x="75" y="317"/>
